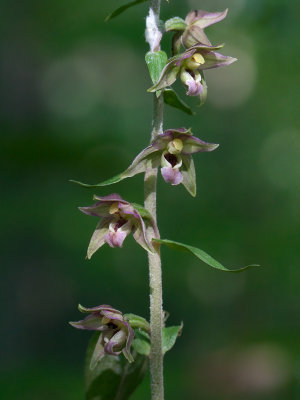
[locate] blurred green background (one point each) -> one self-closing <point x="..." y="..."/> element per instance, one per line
<point x="74" y="106"/>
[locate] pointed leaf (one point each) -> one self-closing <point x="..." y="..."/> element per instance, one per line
<point x="156" y="60"/>
<point x="207" y="259"/>
<point x="113" y="378"/>
<point x="123" y="8"/>
<point x="172" y="99"/>
<point x="111" y="181"/>
<point x="169" y="336"/>
<point x="139" y="165"/>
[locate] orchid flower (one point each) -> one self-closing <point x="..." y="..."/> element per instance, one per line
<point x="190" y="31"/>
<point x="171" y="150"/>
<point x="196" y="21"/>
<point x="118" y="219"/>
<point x="189" y="67"/>
<point x="116" y="334"/>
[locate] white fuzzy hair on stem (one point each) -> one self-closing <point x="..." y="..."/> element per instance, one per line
<point x="153" y="34"/>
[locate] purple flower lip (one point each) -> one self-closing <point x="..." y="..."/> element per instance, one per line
<point x="172" y="175"/>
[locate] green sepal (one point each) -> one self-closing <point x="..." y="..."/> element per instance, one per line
<point x="172" y="99"/>
<point x="113" y="378"/>
<point x="206" y="258"/>
<point x="142" y="211"/>
<point x="203" y="95"/>
<point x="175" y="24"/>
<point x="137" y="322"/>
<point x="169" y="336"/>
<point x="156" y="60"/>
<point x="141" y="342"/>
<point x="123" y="8"/>
<point x="189" y="174"/>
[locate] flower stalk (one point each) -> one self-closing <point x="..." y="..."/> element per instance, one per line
<point x="155" y="273"/>
<point x="172" y="151"/>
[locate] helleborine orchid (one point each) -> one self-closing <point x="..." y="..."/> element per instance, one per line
<point x="189" y="66"/>
<point x="118" y="219"/>
<point x="171" y="150"/>
<point x="116" y="333"/>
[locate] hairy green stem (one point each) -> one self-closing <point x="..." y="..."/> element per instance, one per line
<point x="155" y="275"/>
<point x="155" y="5"/>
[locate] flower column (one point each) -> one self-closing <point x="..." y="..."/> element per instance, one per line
<point x="153" y="36"/>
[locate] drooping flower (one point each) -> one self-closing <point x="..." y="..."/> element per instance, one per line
<point x="118" y="219"/>
<point x="116" y="333"/>
<point x="196" y="21"/>
<point x="173" y="151"/>
<point x="190" y="31"/>
<point x="189" y="66"/>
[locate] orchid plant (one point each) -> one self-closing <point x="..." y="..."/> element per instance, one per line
<point x="124" y="344"/>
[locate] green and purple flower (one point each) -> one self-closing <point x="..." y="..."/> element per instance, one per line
<point x="171" y="150"/>
<point x="196" y="21"/>
<point x="118" y="219"/>
<point x="189" y="66"/>
<point x="116" y="334"/>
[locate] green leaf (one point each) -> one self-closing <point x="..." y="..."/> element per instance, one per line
<point x="121" y="9"/>
<point x="111" y="181"/>
<point x="172" y="99"/>
<point x="175" y="24"/>
<point x="113" y="378"/>
<point x="206" y="258"/>
<point x="141" y="343"/>
<point x="156" y="60"/>
<point x="169" y="336"/>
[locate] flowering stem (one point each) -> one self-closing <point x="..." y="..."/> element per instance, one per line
<point x="156" y="310"/>
<point x="155" y="275"/>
